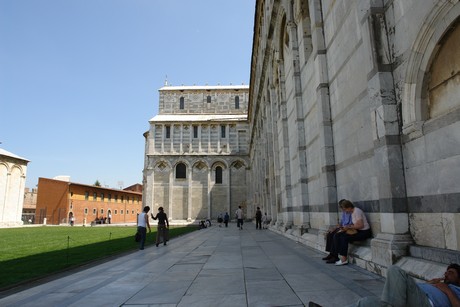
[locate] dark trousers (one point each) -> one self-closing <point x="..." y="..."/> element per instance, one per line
<point x="330" y="239"/>
<point x="143" y="232"/>
<point x="226" y="223"/>
<point x="161" y="234"/>
<point x="341" y="240"/>
<point x="239" y="223"/>
<point x="259" y="223"/>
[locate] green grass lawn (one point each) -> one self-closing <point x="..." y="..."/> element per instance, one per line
<point x="33" y="252"/>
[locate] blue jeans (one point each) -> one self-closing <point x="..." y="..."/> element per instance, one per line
<point x="400" y="290"/>
<point x="143" y="232"/>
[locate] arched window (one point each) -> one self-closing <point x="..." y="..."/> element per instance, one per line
<point x="208" y="99"/>
<point x="443" y="76"/>
<point x="181" y="103"/>
<point x="218" y="174"/>
<point x="237" y="102"/>
<point x="181" y="171"/>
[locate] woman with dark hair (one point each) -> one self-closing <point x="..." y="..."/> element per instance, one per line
<point x="163" y="225"/>
<point x="359" y="230"/>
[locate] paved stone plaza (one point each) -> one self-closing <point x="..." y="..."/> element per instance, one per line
<point x="210" y="267"/>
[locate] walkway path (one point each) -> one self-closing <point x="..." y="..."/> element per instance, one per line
<point x="210" y="267"/>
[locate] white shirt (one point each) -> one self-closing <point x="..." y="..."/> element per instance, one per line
<point x="141" y="220"/>
<point x="357" y="215"/>
<point x="239" y="214"/>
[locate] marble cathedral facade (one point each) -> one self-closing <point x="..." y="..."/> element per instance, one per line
<point x="196" y="152"/>
<point x="13" y="171"/>
<point x="359" y="100"/>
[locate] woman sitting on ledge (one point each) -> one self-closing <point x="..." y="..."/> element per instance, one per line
<point x="359" y="230"/>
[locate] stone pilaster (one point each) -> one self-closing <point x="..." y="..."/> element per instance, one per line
<point x="388" y="248"/>
<point x="391" y="244"/>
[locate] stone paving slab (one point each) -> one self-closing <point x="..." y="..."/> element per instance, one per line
<point x="216" y="266"/>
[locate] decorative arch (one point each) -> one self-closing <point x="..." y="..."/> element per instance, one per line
<point x="303" y="20"/>
<point x="20" y="170"/>
<point x="220" y="163"/>
<point x="6" y="166"/>
<point x="187" y="164"/>
<point x="200" y="166"/>
<point x="4" y="171"/>
<point x="180" y="169"/>
<point x="424" y="50"/>
<point x="283" y="37"/>
<point x="238" y="164"/>
<point x="443" y="87"/>
<point x="279" y="69"/>
<point x="162" y="166"/>
<point x="219" y="167"/>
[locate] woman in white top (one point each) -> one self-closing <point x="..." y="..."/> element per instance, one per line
<point x="359" y="230"/>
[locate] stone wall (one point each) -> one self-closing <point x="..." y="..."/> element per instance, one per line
<point x="13" y="171"/>
<point x="358" y="100"/>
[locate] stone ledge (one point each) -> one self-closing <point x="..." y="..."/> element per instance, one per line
<point x="434" y="254"/>
<point x="422" y="269"/>
<point x="423" y="263"/>
<point x="360" y="253"/>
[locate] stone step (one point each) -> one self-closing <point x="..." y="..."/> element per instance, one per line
<point x="435" y="254"/>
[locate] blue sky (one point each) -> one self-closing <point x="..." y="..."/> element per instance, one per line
<point x="79" y="79"/>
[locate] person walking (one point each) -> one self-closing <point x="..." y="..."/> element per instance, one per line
<point x="220" y="219"/>
<point x="163" y="225"/>
<point x="142" y="225"/>
<point x="226" y="219"/>
<point x="239" y="217"/>
<point x="258" y="218"/>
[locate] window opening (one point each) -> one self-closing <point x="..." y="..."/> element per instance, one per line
<point x="168" y="132"/>
<point x="195" y="132"/>
<point x="218" y="174"/>
<point x="181" y="171"/>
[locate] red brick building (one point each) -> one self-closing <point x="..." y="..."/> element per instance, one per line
<point x="58" y="201"/>
<point x="135" y="187"/>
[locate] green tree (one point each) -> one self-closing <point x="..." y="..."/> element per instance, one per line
<point x="97" y="183"/>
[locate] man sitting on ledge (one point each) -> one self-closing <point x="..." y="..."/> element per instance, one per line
<point x="401" y="290"/>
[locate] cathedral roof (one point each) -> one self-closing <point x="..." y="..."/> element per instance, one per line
<point x="204" y="87"/>
<point x="11" y="155"/>
<point x="198" y="117"/>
